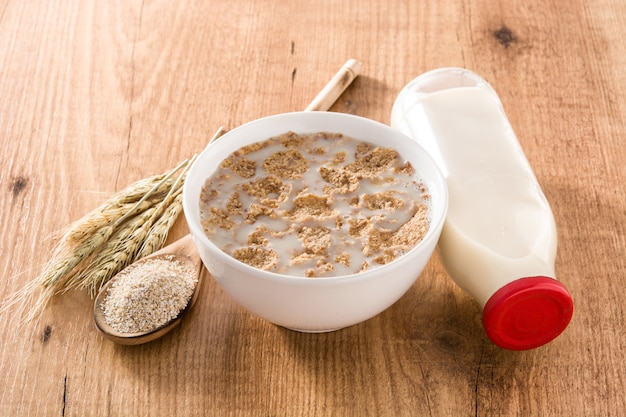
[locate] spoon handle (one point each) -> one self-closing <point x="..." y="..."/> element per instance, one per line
<point x="337" y="85"/>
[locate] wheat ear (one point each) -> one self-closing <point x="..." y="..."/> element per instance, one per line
<point x="124" y="247"/>
<point x="86" y="236"/>
<point x="112" y="256"/>
<point x="172" y="206"/>
<point x="160" y="229"/>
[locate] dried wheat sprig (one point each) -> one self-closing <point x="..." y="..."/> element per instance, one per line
<point x="118" y="253"/>
<point x="54" y="278"/>
<point x="55" y="275"/>
<point x="116" y="256"/>
<point x="125" y="202"/>
<point x="153" y="188"/>
<point x="148" y="186"/>
<point x="123" y="247"/>
<point x="86" y="236"/>
<point x="169" y="210"/>
<point x="160" y="229"/>
<point x="117" y="246"/>
<point x="67" y="258"/>
<point x="97" y="219"/>
<point x="136" y="194"/>
<point x="70" y="252"/>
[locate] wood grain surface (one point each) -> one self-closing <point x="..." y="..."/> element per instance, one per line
<point x="97" y="94"/>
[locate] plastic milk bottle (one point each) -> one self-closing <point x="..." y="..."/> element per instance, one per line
<point x="499" y="240"/>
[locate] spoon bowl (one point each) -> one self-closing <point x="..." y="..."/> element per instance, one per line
<point x="182" y="251"/>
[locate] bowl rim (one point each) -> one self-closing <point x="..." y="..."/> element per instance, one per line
<point x="436" y="219"/>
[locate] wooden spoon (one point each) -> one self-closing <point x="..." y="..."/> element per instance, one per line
<point x="182" y="251"/>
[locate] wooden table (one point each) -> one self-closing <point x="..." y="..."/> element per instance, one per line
<point x="95" y="95"/>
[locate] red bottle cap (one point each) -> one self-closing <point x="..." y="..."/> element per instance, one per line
<point x="527" y="313"/>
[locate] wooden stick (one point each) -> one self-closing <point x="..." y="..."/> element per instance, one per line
<point x="337" y="85"/>
<point x="217" y="134"/>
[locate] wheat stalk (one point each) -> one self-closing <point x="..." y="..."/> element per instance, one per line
<point x="129" y="202"/>
<point x="83" y="228"/>
<point x="160" y="229"/>
<point x="172" y="207"/>
<point x="133" y="241"/>
<point x="112" y="210"/>
<point x="112" y="257"/>
<point x="85" y="240"/>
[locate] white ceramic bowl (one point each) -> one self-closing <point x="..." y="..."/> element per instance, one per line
<point x="315" y="304"/>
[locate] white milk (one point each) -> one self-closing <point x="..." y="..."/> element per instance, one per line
<point x="499" y="240"/>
